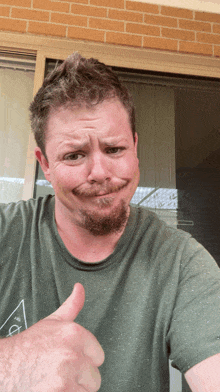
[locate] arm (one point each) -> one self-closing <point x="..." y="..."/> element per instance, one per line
<point x="195" y="328"/>
<point x="54" y="354"/>
<point x="205" y="376"/>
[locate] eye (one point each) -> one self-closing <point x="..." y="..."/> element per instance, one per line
<point x="115" y="150"/>
<point x="73" y="156"/>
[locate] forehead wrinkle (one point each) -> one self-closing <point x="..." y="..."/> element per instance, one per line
<point x="112" y="140"/>
<point x="75" y="144"/>
<point x="72" y="140"/>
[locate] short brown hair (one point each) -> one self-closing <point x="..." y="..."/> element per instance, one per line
<point x="77" y="81"/>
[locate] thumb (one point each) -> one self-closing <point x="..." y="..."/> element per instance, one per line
<point x="70" y="309"/>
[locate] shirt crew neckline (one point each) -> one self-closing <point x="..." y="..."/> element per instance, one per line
<point x="122" y="244"/>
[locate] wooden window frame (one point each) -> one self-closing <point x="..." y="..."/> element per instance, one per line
<point x="44" y="48"/>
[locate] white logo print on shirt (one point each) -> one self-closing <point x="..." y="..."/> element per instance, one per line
<point x="16" y="322"/>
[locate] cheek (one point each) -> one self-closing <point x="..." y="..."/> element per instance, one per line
<point x="66" y="178"/>
<point x="128" y="168"/>
<point x="135" y="166"/>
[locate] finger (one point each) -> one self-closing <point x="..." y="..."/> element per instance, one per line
<point x="89" y="377"/>
<point x="70" y="309"/>
<point x="93" y="350"/>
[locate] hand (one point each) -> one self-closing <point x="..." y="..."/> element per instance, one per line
<point x="54" y="355"/>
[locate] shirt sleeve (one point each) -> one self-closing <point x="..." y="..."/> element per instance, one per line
<point x="194" y="332"/>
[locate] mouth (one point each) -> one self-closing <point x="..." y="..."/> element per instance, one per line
<point x="111" y="194"/>
<point x="104" y="198"/>
<point x="98" y="193"/>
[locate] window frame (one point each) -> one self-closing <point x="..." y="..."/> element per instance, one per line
<point x="44" y="48"/>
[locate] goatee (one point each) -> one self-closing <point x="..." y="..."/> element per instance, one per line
<point x="99" y="225"/>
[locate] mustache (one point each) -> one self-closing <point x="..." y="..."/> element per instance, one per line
<point x="99" y="190"/>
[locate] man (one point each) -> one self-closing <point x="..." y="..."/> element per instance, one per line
<point x="152" y="293"/>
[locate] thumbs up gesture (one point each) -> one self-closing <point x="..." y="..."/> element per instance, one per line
<point x="54" y="355"/>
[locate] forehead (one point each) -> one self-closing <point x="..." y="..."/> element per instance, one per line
<point x="107" y="118"/>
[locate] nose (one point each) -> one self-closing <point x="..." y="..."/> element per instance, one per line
<point x="98" y="168"/>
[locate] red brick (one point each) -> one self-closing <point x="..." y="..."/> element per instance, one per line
<point x="47" y="29"/>
<point x="143" y="7"/>
<point x="86" y="34"/>
<point x="51" y="5"/>
<point x="196" y="48"/>
<point x="80" y="1"/>
<point x="67" y="19"/>
<point x="177" y="12"/>
<point x="194" y="25"/>
<point x="217" y="51"/>
<point x="136" y="28"/>
<point x="178" y="34"/>
<point x="87" y="10"/>
<point x="22" y="13"/>
<point x="208" y="38"/>
<point x="4" y="11"/>
<point x="108" y="3"/>
<point x="19" y="3"/>
<point x="207" y="16"/>
<point x="160" y="43"/>
<point x="160" y="20"/>
<point x="105" y="24"/>
<point x="123" y="39"/>
<point x="13" y="25"/>
<point x="125" y="15"/>
<point x="216" y="29"/>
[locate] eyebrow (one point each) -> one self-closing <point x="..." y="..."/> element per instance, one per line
<point x="113" y="141"/>
<point x="108" y="142"/>
<point x="76" y="145"/>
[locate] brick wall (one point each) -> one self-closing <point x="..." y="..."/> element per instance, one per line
<point x="121" y="22"/>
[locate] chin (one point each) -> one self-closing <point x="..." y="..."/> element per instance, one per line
<point x="100" y="223"/>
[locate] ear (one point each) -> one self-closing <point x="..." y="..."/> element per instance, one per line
<point x="43" y="162"/>
<point x="135" y="142"/>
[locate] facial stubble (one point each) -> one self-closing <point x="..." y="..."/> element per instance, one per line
<point x="99" y="224"/>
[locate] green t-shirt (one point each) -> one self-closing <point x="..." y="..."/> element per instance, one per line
<point x="157" y="296"/>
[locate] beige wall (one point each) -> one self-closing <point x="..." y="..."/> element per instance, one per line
<point x="201" y="5"/>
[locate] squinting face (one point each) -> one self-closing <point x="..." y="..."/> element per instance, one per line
<point x="91" y="163"/>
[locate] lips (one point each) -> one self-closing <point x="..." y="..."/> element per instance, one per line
<point x="107" y="191"/>
<point x="103" y="194"/>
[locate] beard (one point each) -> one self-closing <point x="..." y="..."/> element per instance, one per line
<point x="99" y="225"/>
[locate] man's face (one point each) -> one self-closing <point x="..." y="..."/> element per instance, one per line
<point x="92" y="164"/>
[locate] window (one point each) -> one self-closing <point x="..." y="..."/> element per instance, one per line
<point x="16" y="91"/>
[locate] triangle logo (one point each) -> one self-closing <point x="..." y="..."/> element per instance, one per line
<point x="16" y="322"/>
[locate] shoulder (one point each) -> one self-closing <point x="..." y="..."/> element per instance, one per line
<point x="156" y="230"/>
<point x="23" y="212"/>
<point x="23" y="224"/>
<point x="160" y="241"/>
<point x="161" y="247"/>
